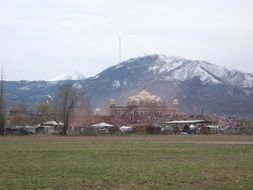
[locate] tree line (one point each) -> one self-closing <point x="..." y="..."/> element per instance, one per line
<point x="68" y="98"/>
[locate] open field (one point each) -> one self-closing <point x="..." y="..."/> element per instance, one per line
<point x="128" y="162"/>
<point x="134" y="139"/>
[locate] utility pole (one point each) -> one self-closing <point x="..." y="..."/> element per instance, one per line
<point x="2" y="105"/>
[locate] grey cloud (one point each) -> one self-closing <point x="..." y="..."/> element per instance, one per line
<point x="64" y="36"/>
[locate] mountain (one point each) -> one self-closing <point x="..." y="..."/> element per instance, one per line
<point x="31" y="93"/>
<point x="196" y="84"/>
<point x="175" y="69"/>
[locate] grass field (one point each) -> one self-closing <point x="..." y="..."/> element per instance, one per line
<point x="132" y="162"/>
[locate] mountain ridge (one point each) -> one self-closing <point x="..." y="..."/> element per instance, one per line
<point x="173" y="77"/>
<point x="197" y="84"/>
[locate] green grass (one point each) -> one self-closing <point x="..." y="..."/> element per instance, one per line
<point x="117" y="165"/>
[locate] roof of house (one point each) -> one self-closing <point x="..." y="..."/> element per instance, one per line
<point x="102" y="125"/>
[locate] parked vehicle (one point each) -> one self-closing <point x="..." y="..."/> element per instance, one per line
<point x="183" y="133"/>
<point x="103" y="131"/>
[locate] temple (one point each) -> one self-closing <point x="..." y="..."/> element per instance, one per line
<point x="144" y="104"/>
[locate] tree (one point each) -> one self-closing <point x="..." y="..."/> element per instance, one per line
<point x="68" y="98"/>
<point x="2" y="106"/>
<point x="43" y="108"/>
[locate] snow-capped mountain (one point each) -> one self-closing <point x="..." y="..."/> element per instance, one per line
<point x="65" y="76"/>
<point x="196" y="84"/>
<point x="169" y="68"/>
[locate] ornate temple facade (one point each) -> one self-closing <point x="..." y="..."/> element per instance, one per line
<point x="144" y="104"/>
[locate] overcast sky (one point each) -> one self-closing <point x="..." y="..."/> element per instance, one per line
<point x="40" y="39"/>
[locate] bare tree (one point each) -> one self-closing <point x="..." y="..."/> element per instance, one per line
<point x="2" y="106"/>
<point x="67" y="101"/>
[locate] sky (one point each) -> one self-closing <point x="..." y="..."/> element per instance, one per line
<point x="41" y="39"/>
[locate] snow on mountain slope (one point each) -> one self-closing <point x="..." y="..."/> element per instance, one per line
<point x="169" y="68"/>
<point x="65" y="76"/>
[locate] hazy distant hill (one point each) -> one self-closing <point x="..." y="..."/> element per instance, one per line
<point x="197" y="85"/>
